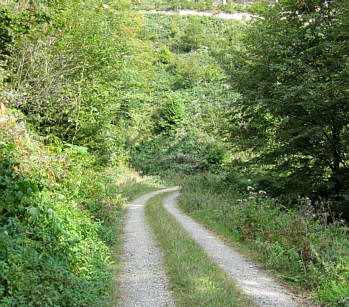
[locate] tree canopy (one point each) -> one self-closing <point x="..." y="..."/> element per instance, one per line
<point x="293" y="76"/>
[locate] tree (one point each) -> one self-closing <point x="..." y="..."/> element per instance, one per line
<point x="293" y="76"/>
<point x="171" y="115"/>
<point x="70" y="66"/>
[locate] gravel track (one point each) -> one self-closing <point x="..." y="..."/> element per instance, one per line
<point x="142" y="281"/>
<point x="254" y="282"/>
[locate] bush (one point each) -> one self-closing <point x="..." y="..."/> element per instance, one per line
<point x="165" y="55"/>
<point x="214" y="154"/>
<point x="170" y="115"/>
<point x="57" y="222"/>
<point x="194" y="70"/>
<point x="5" y="36"/>
<point x="190" y="37"/>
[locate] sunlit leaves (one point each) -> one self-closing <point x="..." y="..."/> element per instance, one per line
<point x="293" y="78"/>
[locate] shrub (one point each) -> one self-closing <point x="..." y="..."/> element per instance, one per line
<point x="57" y="218"/>
<point x="165" y="55"/>
<point x="214" y="154"/>
<point x="190" y="37"/>
<point x="170" y="115"/>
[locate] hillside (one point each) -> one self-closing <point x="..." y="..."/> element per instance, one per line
<point x="102" y="101"/>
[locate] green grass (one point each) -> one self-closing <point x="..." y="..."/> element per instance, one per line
<point x="194" y="278"/>
<point x="296" y="244"/>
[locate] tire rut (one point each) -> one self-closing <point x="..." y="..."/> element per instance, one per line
<point x="257" y="284"/>
<point x="142" y="281"/>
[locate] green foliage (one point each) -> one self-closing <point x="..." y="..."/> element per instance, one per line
<point x="165" y="55"/>
<point x="294" y="108"/>
<point x="259" y="7"/>
<point x="194" y="69"/>
<point x="201" y="5"/>
<point x="5" y="36"/>
<point x="200" y="84"/>
<point x="188" y="71"/>
<point x="171" y="114"/>
<point x="255" y="7"/>
<point x="51" y="253"/>
<point x="180" y="153"/>
<point x="71" y="65"/>
<point x="58" y="219"/>
<point x="214" y="155"/>
<point x="191" y="37"/>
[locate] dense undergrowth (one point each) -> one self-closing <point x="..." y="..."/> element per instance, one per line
<point x="229" y="6"/>
<point x="58" y="222"/>
<point x="192" y="94"/>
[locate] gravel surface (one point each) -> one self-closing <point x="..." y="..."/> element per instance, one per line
<point x="142" y="281"/>
<point x="254" y="282"/>
<point x="235" y="16"/>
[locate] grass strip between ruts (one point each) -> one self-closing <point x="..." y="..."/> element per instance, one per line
<point x="194" y="278"/>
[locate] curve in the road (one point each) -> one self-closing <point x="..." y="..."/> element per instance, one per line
<point x="255" y="283"/>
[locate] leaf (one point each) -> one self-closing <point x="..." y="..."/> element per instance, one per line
<point x="34" y="212"/>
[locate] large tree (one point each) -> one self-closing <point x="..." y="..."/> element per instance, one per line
<point x="293" y="76"/>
